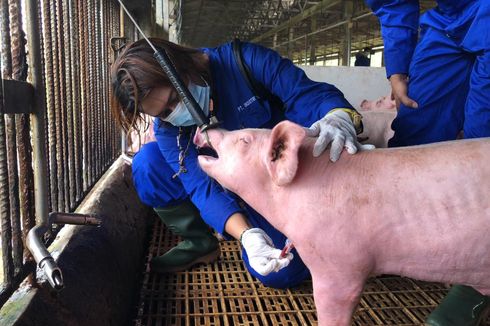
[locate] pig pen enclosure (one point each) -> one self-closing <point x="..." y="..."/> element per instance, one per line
<point x="224" y="293"/>
<point x="55" y="59"/>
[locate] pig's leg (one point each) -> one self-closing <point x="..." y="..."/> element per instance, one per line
<point x="336" y="297"/>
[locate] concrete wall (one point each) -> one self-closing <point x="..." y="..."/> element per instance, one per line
<point x="357" y="83"/>
<point x="100" y="265"/>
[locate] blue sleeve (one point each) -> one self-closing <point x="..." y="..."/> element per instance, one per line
<point x="306" y="101"/>
<point x="399" y="21"/>
<point x="215" y="204"/>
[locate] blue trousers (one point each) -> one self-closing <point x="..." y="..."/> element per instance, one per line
<point x="152" y="177"/>
<point x="452" y="89"/>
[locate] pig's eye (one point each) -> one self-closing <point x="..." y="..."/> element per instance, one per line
<point x="245" y="140"/>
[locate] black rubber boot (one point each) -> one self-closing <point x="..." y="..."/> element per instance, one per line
<point x="463" y="306"/>
<point x="199" y="245"/>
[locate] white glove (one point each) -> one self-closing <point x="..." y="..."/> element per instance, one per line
<point x="262" y="255"/>
<point x="336" y="128"/>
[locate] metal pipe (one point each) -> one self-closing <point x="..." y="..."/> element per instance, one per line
<point x="37" y="123"/>
<point x="43" y="258"/>
<point x="348" y="8"/>
<point x="37" y="119"/>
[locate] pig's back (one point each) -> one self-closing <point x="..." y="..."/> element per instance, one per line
<point x="435" y="214"/>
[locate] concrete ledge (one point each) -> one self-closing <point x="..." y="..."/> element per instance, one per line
<point x="100" y="266"/>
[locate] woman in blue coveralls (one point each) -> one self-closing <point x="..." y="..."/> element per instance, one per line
<point x="180" y="192"/>
<point x="440" y="81"/>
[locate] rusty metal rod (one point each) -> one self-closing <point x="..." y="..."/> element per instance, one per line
<point x="64" y="95"/>
<point x="13" y="186"/>
<point x="69" y="164"/>
<point x="74" y="48"/>
<point x="14" y="164"/>
<point x="57" y="109"/>
<point x="6" y="60"/>
<point x="50" y="104"/>
<point x="22" y="126"/>
<point x="19" y="71"/>
<point x="82" y="17"/>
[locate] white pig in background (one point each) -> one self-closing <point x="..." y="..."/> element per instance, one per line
<point x="377" y="127"/>
<point x="377" y="118"/>
<point x="382" y="104"/>
<point x="425" y="214"/>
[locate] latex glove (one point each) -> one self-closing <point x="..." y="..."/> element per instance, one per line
<point x="399" y="90"/>
<point x="336" y="128"/>
<point x="262" y="255"/>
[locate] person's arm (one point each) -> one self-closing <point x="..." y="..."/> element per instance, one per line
<point x="236" y="225"/>
<point x="399" y="21"/>
<point x="320" y="106"/>
<point x="306" y="101"/>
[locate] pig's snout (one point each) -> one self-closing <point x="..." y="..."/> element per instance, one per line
<point x="199" y="138"/>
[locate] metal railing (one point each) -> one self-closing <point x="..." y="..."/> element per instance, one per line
<point x="71" y="97"/>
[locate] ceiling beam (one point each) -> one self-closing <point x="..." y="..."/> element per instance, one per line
<point x="323" y="29"/>
<point x="324" y="4"/>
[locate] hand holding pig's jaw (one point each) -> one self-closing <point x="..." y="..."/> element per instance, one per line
<point x="338" y="129"/>
<point x="262" y="255"/>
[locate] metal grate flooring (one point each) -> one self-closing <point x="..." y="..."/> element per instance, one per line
<point x="224" y="293"/>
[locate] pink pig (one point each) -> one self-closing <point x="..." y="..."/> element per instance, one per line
<point x="377" y="127"/>
<point x="383" y="103"/>
<point x="424" y="215"/>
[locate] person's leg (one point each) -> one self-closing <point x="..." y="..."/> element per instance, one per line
<point x="153" y="181"/>
<point x="439" y="78"/>
<point x="464" y="305"/>
<point x="290" y="276"/>
<point x="477" y="108"/>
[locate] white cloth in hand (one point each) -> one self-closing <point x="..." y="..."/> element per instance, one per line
<point x="263" y="257"/>
<point x="336" y="128"/>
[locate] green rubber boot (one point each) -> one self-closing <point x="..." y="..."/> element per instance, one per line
<point x="199" y="245"/>
<point x="463" y="306"/>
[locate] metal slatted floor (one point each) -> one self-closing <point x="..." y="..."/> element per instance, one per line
<point x="224" y="293"/>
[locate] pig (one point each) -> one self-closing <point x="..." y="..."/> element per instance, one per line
<point x="424" y="215"/>
<point x="377" y="118"/>
<point x="377" y="127"/>
<point x="381" y="104"/>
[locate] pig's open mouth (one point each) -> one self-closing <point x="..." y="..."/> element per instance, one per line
<point x="208" y="152"/>
<point x="204" y="149"/>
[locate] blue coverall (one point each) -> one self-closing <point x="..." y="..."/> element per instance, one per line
<point x="237" y="107"/>
<point x="448" y="69"/>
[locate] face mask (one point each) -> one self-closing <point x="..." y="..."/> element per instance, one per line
<point x="181" y="116"/>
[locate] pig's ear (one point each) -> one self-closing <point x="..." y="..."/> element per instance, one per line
<point x="282" y="153"/>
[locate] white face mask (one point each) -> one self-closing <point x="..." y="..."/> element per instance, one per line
<point x="181" y="116"/>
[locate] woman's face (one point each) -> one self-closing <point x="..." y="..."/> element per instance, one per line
<point x="160" y="102"/>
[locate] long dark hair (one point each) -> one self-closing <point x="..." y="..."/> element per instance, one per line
<point x="135" y="72"/>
